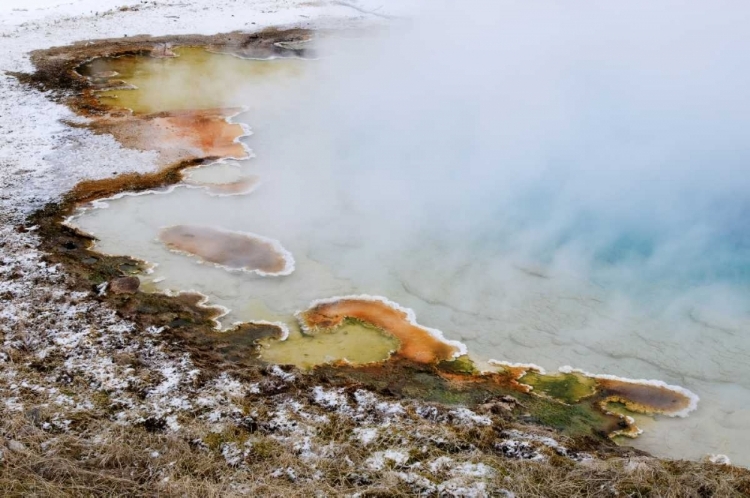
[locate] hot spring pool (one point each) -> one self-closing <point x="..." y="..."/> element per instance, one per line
<point x="387" y="208"/>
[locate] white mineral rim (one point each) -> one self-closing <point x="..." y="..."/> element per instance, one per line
<point x="411" y="317"/>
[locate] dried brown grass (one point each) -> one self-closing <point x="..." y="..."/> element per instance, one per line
<point x="117" y="460"/>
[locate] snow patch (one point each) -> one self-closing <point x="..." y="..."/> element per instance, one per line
<point x="380" y="459"/>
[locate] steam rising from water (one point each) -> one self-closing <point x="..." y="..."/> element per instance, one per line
<point x="546" y="183"/>
<point x="607" y="142"/>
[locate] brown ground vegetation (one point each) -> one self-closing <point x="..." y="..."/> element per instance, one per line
<point x="107" y="459"/>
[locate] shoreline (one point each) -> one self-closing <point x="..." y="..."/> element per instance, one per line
<point x="84" y="100"/>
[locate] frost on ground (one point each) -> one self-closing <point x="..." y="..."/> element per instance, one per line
<point x="71" y="370"/>
<point x="92" y="405"/>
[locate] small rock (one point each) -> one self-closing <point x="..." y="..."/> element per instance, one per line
<point x="718" y="459"/>
<point x="162" y="51"/>
<point x="34" y="415"/>
<point x="16" y="447"/>
<point x="124" y="285"/>
<point x="505" y="404"/>
<point x="636" y="465"/>
<point x="496" y="407"/>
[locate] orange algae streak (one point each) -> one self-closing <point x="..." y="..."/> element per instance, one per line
<point x="207" y="130"/>
<point x="231" y="250"/>
<point x="572" y="385"/>
<point x="416" y="343"/>
<point x="179" y="135"/>
<point x="641" y="396"/>
<point x="512" y="373"/>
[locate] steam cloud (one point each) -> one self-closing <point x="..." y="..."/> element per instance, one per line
<point x="604" y="140"/>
